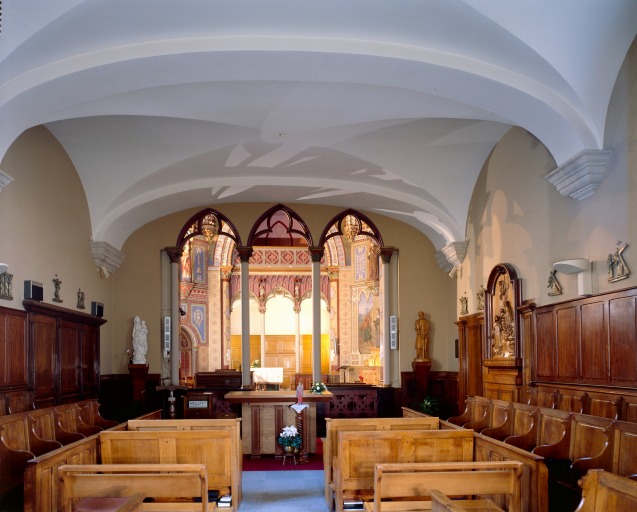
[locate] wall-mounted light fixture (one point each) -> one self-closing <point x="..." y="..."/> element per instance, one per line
<point x="584" y="270"/>
<point x="3" y="268"/>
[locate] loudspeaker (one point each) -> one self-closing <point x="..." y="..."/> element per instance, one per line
<point x="33" y="290"/>
<point x="97" y="309"/>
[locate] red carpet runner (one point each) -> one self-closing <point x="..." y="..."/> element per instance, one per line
<point x="272" y="463"/>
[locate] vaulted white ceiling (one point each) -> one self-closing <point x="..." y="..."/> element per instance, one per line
<point x="390" y="106"/>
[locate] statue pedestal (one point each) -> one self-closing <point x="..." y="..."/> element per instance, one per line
<point x="139" y="374"/>
<point x="421" y="368"/>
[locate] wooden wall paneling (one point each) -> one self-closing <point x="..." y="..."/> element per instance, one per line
<point x="89" y="362"/>
<point x="13" y="349"/>
<point x="623" y="341"/>
<point x="568" y="348"/>
<point x="527" y="342"/>
<point x="69" y="361"/>
<point x="545" y="345"/>
<point x="594" y="350"/>
<point x="43" y="350"/>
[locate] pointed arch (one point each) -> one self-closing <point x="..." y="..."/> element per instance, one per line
<point x="277" y="218"/>
<point x="196" y="225"/>
<point x="348" y="219"/>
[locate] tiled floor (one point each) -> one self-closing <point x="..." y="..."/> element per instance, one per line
<point x="283" y="491"/>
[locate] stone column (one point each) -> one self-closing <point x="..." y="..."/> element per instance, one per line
<point x="317" y="254"/>
<point x="385" y="256"/>
<point x="244" y="254"/>
<point x="174" y="253"/>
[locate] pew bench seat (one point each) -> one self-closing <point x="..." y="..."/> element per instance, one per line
<point x="442" y="503"/>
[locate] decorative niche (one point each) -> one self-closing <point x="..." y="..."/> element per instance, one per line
<point x="503" y="296"/>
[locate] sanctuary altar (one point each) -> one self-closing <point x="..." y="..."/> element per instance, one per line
<point x="265" y="413"/>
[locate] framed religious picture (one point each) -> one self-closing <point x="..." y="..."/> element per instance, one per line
<point x="199" y="266"/>
<point x="503" y="296"/>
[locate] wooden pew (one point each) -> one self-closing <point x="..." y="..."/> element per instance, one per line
<point x="41" y="482"/>
<point x="585" y="446"/>
<point x="519" y="421"/>
<point x="606" y="492"/>
<point x="335" y="425"/>
<point x="216" y="449"/>
<point x="498" y="414"/>
<point x="359" y="452"/>
<point x="551" y="427"/>
<point x="69" y="419"/>
<point x="534" y="480"/>
<point x="442" y="503"/>
<point x="21" y="442"/>
<point x="46" y="426"/>
<point x="477" y="408"/>
<point x="402" y="487"/>
<point x="18" y="434"/>
<point x="233" y="425"/>
<point x="624" y="445"/>
<point x="89" y="411"/>
<point x="172" y="485"/>
<point x="12" y="466"/>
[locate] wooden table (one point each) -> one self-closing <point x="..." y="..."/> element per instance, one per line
<point x="264" y="413"/>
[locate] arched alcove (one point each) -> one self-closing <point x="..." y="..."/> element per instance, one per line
<point x="280" y="287"/>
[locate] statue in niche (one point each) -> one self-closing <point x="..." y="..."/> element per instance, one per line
<point x="554" y="285"/>
<point x="374" y="252"/>
<point x="422" y="337"/>
<point x="140" y="341"/>
<point x="617" y="268"/>
<point x="503" y="333"/>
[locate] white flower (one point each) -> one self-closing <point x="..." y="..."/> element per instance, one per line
<point x="289" y="431"/>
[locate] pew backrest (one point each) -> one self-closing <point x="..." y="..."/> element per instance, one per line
<point x="216" y="449"/>
<point x="413" y="482"/>
<point x="624" y="449"/>
<point x="477" y="408"/>
<point x="500" y="421"/>
<point x="335" y="425"/>
<point x="359" y="452"/>
<point x="168" y="481"/>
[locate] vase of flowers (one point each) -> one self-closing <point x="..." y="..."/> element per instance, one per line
<point x="290" y="439"/>
<point x="318" y="388"/>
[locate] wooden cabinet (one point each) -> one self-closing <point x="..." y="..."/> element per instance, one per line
<point x="64" y="350"/>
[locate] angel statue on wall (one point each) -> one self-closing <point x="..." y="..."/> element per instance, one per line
<point x="554" y="284"/>
<point x="617" y="268"/>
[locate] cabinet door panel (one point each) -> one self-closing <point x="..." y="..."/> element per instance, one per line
<point x="44" y="364"/>
<point x="89" y="356"/>
<point x="69" y="361"/>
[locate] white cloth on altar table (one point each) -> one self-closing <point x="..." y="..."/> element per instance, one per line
<point x="299" y="407"/>
<point x="267" y="375"/>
